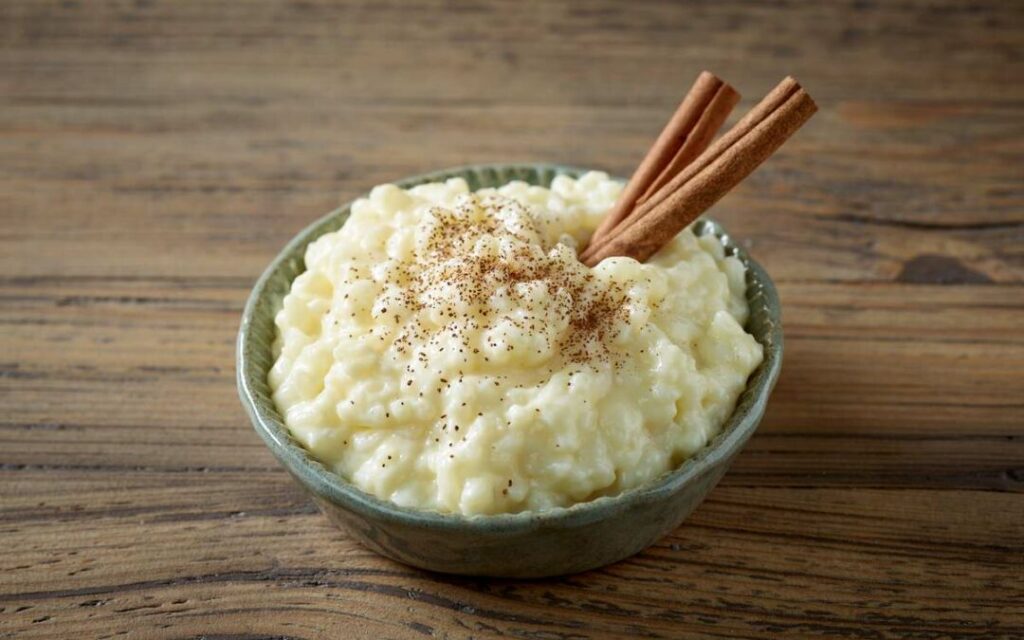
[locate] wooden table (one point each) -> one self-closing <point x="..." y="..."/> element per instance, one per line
<point x="156" y="155"/>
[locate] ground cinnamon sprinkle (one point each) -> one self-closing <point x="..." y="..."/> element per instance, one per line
<point x="451" y="275"/>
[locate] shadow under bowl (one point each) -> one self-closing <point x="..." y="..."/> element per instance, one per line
<point x="522" y="545"/>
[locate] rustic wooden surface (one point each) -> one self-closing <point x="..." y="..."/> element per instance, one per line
<point x="156" y="155"/>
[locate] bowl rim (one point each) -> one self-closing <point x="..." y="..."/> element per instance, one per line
<point x="324" y="483"/>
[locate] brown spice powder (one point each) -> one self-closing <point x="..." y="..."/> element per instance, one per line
<point x="591" y="308"/>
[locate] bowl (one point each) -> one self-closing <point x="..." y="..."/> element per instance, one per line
<point x="521" y="545"/>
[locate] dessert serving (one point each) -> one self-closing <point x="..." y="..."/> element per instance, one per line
<point x="447" y="350"/>
<point x="526" y="347"/>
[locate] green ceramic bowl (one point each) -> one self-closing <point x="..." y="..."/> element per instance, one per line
<point x="529" y="544"/>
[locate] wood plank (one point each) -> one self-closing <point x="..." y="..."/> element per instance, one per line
<point x="769" y="545"/>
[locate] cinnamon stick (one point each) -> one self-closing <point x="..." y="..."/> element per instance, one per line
<point x="689" y="119"/>
<point x="700" y="137"/>
<point x="772" y="101"/>
<point x="698" y="186"/>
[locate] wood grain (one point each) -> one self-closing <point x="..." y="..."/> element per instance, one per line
<point x="156" y="155"/>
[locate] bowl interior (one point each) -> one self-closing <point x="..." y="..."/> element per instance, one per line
<point x="254" y="360"/>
